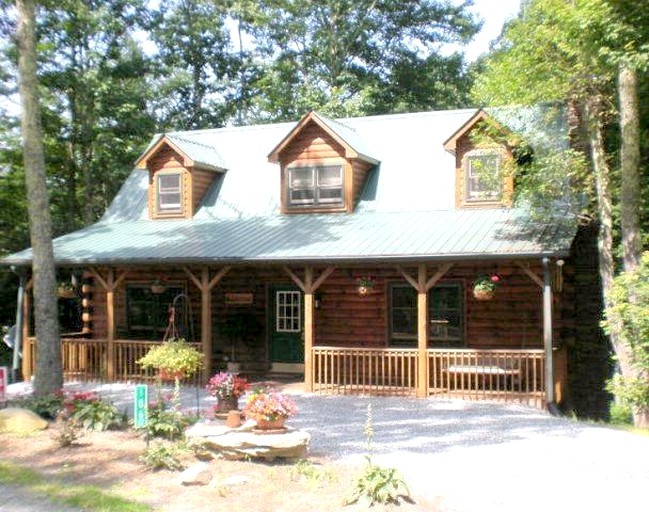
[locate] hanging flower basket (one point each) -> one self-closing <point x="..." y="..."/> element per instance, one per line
<point x="66" y="291"/>
<point x="158" y="287"/>
<point x="484" y="287"/>
<point x="365" y="286"/>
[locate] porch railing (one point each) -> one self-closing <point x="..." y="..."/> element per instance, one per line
<point x="509" y="375"/>
<point x="388" y="371"/>
<point x="87" y="360"/>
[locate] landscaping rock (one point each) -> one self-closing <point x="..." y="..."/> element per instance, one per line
<point x="20" y="421"/>
<point x="197" y="474"/>
<point x="242" y="442"/>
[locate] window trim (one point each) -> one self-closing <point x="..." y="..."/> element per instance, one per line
<point x="483" y="154"/>
<point x="404" y="339"/>
<point x="315" y="187"/>
<point x="174" y="208"/>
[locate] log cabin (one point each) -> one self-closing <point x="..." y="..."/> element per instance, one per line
<point x="346" y="251"/>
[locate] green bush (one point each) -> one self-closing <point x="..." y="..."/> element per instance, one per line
<point x="166" y="421"/>
<point x="161" y="455"/>
<point x="47" y="407"/>
<point x="620" y="414"/>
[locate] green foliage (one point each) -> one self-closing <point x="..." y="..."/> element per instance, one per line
<point x="97" y="415"/>
<point x="377" y="484"/>
<point x="166" y="421"/>
<point x="68" y="434"/>
<point x="163" y="455"/>
<point x="47" y="407"/>
<point x="174" y="357"/>
<point x="620" y="414"/>
<point x="629" y="313"/>
<point x="315" y="474"/>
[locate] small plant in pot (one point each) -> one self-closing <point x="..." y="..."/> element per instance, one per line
<point x="270" y="409"/>
<point x="227" y="388"/>
<point x="484" y="287"/>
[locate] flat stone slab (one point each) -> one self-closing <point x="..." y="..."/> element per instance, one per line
<point x="244" y="442"/>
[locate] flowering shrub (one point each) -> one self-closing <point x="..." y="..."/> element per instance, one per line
<point x="269" y="406"/>
<point x="225" y="385"/>
<point x="88" y="410"/>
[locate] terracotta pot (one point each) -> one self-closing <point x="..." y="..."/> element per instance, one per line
<point x="277" y="424"/>
<point x="481" y="294"/>
<point x="233" y="420"/>
<point x="169" y="376"/>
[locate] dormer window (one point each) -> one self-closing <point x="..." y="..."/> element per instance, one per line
<point x="484" y="180"/>
<point x="316" y="186"/>
<point x="169" y="193"/>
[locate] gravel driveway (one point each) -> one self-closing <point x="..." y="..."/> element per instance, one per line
<point x="473" y="456"/>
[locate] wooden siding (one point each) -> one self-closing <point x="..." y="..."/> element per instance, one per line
<point x="464" y="146"/>
<point x="360" y="170"/>
<point x="201" y="182"/>
<point x="512" y="320"/>
<point x="195" y="181"/>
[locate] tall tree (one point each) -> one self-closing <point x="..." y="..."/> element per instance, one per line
<point x="94" y="96"/>
<point x="48" y="372"/>
<point x="195" y="64"/>
<point x="573" y="51"/>
<point x="347" y="57"/>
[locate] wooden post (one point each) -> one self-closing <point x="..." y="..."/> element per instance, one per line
<point x="422" y="333"/>
<point x="206" y="320"/>
<point x="547" y="332"/>
<point x="28" y="364"/>
<point x="308" y="329"/>
<point x="110" y="324"/>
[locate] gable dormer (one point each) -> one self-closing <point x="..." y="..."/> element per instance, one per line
<point x="323" y="166"/>
<point x="481" y="162"/>
<point x="180" y="173"/>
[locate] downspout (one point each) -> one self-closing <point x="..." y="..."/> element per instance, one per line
<point x="20" y="312"/>
<point x="547" y="336"/>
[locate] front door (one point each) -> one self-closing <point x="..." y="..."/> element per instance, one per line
<point x="286" y="340"/>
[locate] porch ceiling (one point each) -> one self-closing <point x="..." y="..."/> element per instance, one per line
<point x="363" y="236"/>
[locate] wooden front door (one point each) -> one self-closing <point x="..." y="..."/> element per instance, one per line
<point x="286" y="340"/>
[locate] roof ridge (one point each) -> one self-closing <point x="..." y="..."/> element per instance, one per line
<point x="192" y="141"/>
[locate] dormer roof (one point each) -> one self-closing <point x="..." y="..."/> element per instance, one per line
<point x="348" y="138"/>
<point x="193" y="153"/>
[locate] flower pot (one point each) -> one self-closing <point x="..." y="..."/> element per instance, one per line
<point x="364" y="290"/>
<point x="66" y="293"/>
<point x="277" y="424"/>
<point x="226" y="404"/>
<point x="482" y="294"/>
<point x="167" y="375"/>
<point x="157" y="289"/>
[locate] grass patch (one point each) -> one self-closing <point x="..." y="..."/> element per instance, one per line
<point x="86" y="497"/>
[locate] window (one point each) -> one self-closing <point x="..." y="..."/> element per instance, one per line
<point x="170" y="193"/>
<point x="445" y="314"/>
<point x="288" y="311"/>
<point x="315" y="186"/>
<point x="147" y="313"/>
<point x="483" y="177"/>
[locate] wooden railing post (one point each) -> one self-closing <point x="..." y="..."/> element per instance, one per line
<point x="422" y="334"/>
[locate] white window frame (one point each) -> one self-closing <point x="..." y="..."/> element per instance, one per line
<point x="169" y="208"/>
<point x="288" y="311"/>
<point x="495" y="195"/>
<point x="315" y="186"/>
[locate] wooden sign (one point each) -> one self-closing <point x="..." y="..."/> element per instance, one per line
<point x="238" y="299"/>
<point x="4" y="372"/>
<point x="141" y="400"/>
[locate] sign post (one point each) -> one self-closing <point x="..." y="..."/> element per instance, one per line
<point x="141" y="405"/>
<point x="4" y="372"/>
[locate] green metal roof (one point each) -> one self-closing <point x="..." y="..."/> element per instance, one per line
<point x="405" y="212"/>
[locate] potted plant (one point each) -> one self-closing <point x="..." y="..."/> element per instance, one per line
<point x="365" y="285"/>
<point x="173" y="359"/>
<point x="484" y="287"/>
<point x="158" y="286"/>
<point x="269" y="409"/>
<point x="227" y="388"/>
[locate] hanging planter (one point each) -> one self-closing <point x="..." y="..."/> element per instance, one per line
<point x="158" y="286"/>
<point x="365" y="286"/>
<point x="66" y="291"/>
<point x="484" y="287"/>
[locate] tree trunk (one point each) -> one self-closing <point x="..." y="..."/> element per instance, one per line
<point x="48" y="373"/>
<point x="629" y="165"/>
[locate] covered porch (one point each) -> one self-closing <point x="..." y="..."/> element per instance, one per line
<point x="345" y="343"/>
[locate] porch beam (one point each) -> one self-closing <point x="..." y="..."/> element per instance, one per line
<point x="309" y="286"/>
<point x="205" y="285"/>
<point x="443" y="269"/>
<point x="422" y="333"/>
<point x="416" y="284"/>
<point x="547" y="332"/>
<point x="526" y="268"/>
